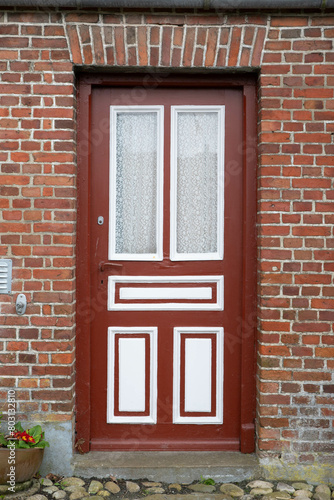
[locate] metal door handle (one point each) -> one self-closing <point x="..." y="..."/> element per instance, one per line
<point x="104" y="265"/>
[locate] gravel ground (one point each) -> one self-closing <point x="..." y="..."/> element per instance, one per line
<point x="73" y="488"/>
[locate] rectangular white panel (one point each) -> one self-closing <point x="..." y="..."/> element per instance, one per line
<point x="198" y="372"/>
<point x="131" y="374"/>
<point x="136" y="182"/>
<point x="197" y="182"/>
<point x="165" y="293"/>
<point x="199" y="291"/>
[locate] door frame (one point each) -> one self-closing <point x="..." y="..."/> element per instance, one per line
<point x="248" y="324"/>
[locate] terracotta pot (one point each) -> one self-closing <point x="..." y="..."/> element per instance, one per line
<point x="27" y="462"/>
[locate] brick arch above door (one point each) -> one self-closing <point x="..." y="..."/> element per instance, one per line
<point x="150" y="40"/>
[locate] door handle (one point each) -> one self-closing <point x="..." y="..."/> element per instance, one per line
<point x="104" y="265"/>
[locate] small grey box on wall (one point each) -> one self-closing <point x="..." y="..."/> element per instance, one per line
<point x="5" y="276"/>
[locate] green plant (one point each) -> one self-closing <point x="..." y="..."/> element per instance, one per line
<point x="208" y="481"/>
<point x="21" y="438"/>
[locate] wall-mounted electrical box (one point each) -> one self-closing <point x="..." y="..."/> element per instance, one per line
<point x="5" y="276"/>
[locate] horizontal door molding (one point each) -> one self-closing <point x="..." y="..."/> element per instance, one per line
<point x="134" y="293"/>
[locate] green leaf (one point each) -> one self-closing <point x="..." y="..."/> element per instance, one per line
<point x="41" y="444"/>
<point x="35" y="432"/>
<point x="3" y="440"/>
<point x="22" y="444"/>
<point x="19" y="427"/>
<point x="208" y="481"/>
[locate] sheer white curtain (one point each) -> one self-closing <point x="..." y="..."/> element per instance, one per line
<point x="197" y="175"/>
<point x="136" y="182"/>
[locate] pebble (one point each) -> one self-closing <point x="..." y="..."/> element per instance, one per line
<point x="95" y="487"/>
<point x="72" y="481"/>
<point x="44" y="481"/>
<point x="322" y="492"/>
<point x="323" y="488"/>
<point x="202" y="488"/>
<point x="155" y="489"/>
<point x="232" y="489"/>
<point x="72" y="489"/>
<point x="104" y="493"/>
<point x="38" y="497"/>
<point x="304" y="493"/>
<point x="278" y="495"/>
<point x="151" y="483"/>
<point x="285" y="487"/>
<point x="302" y="486"/>
<point x="261" y="491"/>
<point x="321" y="496"/>
<point x="75" y="495"/>
<point x="112" y="487"/>
<point x="58" y="495"/>
<point x="50" y="489"/>
<point x="175" y="486"/>
<point x="260" y="484"/>
<point x="132" y="487"/>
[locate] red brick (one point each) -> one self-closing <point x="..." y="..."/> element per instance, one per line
<point x="211" y="47"/>
<point x="142" y="45"/>
<point x="166" y="45"/>
<point x="17" y="346"/>
<point x="98" y="45"/>
<point x="188" y="47"/>
<point x="289" y="21"/>
<point x="178" y="36"/>
<point x="74" y="44"/>
<point x="234" y="46"/>
<point x="119" y="45"/>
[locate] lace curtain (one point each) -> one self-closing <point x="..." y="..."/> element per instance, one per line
<point x="136" y="182"/>
<point x="197" y="182"/>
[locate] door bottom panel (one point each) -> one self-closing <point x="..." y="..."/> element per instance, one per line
<point x="154" y="445"/>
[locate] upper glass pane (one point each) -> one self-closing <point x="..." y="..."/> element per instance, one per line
<point x="197" y="182"/>
<point x="135" y="146"/>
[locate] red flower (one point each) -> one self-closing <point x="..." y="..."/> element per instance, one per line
<point x="24" y="436"/>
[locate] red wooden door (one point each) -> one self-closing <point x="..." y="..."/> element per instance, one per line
<point x="166" y="268"/>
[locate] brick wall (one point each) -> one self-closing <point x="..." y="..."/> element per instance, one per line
<point x="294" y="58"/>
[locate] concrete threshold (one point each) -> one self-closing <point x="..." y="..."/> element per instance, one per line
<point x="167" y="466"/>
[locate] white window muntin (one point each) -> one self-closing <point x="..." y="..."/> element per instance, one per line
<point x="112" y="255"/>
<point x="218" y="255"/>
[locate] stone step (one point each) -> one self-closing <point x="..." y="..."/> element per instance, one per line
<point x="167" y="466"/>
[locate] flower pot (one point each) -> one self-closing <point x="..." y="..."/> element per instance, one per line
<point x="26" y="462"/>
